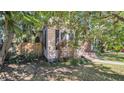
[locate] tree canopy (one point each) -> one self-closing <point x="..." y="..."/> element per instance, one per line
<point x="104" y="29"/>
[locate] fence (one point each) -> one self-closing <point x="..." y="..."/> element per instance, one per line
<point x="25" y="48"/>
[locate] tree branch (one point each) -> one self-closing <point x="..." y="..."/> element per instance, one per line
<point x="119" y="17"/>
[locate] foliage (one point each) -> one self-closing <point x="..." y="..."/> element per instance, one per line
<point x="103" y="29"/>
<point x="75" y="62"/>
<point x="21" y="59"/>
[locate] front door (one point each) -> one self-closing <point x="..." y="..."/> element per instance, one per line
<point x="44" y="41"/>
<point x="57" y="39"/>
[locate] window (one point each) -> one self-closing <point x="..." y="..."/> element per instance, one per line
<point x="71" y="36"/>
<point x="67" y="36"/>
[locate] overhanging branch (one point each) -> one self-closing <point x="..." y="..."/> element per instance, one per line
<point x="119" y="17"/>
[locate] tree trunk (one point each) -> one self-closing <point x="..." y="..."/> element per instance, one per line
<point x="7" y="43"/>
<point x="6" y="46"/>
<point x="87" y="51"/>
<point x="86" y="46"/>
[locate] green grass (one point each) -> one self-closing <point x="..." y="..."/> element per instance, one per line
<point x="113" y="57"/>
<point x="84" y="72"/>
<point x="71" y="70"/>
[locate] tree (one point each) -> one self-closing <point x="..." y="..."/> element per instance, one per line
<point x="13" y="22"/>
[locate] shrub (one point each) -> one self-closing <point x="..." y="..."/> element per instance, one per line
<point x="78" y="61"/>
<point x="18" y="59"/>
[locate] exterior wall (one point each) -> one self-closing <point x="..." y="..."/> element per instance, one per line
<point x="24" y="48"/>
<point x="52" y="52"/>
<point x="49" y="48"/>
<point x="66" y="52"/>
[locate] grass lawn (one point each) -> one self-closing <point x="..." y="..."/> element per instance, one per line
<point x="113" y="56"/>
<point x="87" y="72"/>
<point x="63" y="71"/>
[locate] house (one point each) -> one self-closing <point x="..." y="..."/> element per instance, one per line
<point x="54" y="42"/>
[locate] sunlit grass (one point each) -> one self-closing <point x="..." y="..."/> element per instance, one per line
<point x="86" y="72"/>
<point x="113" y="56"/>
<point x="116" y="68"/>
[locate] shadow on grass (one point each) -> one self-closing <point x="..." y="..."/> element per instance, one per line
<point x="102" y="72"/>
<point x="77" y="70"/>
<point x="72" y="69"/>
